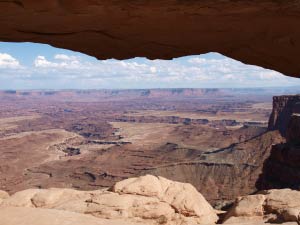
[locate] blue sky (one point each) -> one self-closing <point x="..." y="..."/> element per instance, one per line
<point x="39" y="66"/>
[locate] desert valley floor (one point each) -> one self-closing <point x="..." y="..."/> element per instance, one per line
<point x="215" y="139"/>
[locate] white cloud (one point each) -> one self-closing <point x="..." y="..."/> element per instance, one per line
<point x="197" y="60"/>
<point x="153" y="69"/>
<point x="41" y="61"/>
<point x="213" y="70"/>
<point x="7" y="61"/>
<point x="63" y="62"/>
<point x="65" y="57"/>
<point x="269" y="75"/>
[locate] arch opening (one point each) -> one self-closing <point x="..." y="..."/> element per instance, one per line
<point x="38" y="66"/>
<point x="70" y="121"/>
<point x="249" y="31"/>
<point x="195" y="115"/>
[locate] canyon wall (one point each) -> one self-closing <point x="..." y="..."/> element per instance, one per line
<point x="283" y="109"/>
<point x="264" y="162"/>
<point x="282" y="168"/>
<point x="225" y="174"/>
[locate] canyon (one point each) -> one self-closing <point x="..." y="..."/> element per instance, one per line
<point x="91" y="139"/>
<point x="106" y="153"/>
<point x="153" y="156"/>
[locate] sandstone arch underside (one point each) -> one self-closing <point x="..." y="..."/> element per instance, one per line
<point x="259" y="32"/>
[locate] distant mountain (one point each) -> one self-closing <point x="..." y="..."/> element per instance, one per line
<point x="147" y="93"/>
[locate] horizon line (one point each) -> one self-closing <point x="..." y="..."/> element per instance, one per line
<point x="163" y="88"/>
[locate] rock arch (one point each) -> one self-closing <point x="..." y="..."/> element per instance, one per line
<point x="260" y="32"/>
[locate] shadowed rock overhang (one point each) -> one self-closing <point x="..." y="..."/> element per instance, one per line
<point x="260" y="32"/>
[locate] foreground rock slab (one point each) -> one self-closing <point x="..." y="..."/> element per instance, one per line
<point x="36" y="216"/>
<point x="184" y="198"/>
<point x="148" y="199"/>
<point x="33" y="216"/>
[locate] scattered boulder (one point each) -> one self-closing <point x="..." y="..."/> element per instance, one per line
<point x="275" y="206"/>
<point x="245" y="207"/>
<point x="182" y="197"/>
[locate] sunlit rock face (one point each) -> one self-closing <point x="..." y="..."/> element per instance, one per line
<point x="273" y="206"/>
<point x="148" y="199"/>
<point x="264" y="33"/>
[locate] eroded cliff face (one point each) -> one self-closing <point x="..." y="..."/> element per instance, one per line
<point x="225" y="174"/>
<point x="264" y="33"/>
<point x="282" y="168"/>
<point x="293" y="131"/>
<point x="283" y="109"/>
<point x="264" y="162"/>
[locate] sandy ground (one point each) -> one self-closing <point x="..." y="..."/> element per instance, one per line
<point x="142" y="134"/>
<point x="12" y="122"/>
<point x="26" y="150"/>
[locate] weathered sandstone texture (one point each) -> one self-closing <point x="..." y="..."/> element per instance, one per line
<point x="147" y="199"/>
<point x="274" y="206"/>
<point x="260" y="32"/>
<point x="3" y="195"/>
<point x="143" y="200"/>
<point x="37" y="216"/>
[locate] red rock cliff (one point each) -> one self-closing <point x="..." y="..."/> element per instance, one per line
<point x="282" y="168"/>
<point x="283" y="109"/>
